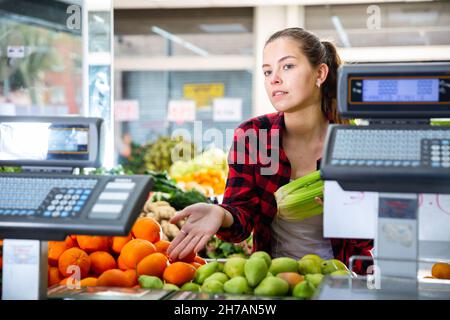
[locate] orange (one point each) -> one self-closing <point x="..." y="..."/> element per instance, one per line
<point x="93" y="243"/>
<point x="118" y="243"/>
<point x="71" y="241"/>
<point x="74" y="257"/>
<point x="121" y="265"/>
<point x="136" y="250"/>
<point x="101" y="261"/>
<point x="195" y="264"/>
<point x="162" y="245"/>
<point x="147" y="228"/>
<point x="153" y="265"/>
<point x="200" y="260"/>
<point x="441" y="270"/>
<point x="189" y="258"/>
<point x="179" y="273"/>
<point x="53" y="276"/>
<point x="114" y="278"/>
<point x="132" y="276"/>
<point x="89" y="282"/>
<point x="55" y="249"/>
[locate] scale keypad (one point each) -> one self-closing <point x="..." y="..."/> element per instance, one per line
<point x="46" y="197"/>
<point x="392" y="148"/>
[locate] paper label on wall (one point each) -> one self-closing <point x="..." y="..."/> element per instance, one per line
<point x="126" y="110"/>
<point x="180" y="111"/>
<point x="227" y="109"/>
<point x="354" y="214"/>
<point x="16" y="52"/>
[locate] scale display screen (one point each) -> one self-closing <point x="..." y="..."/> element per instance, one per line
<point x="394" y="90"/>
<point x="400" y="90"/>
<point x="50" y="141"/>
<point x="43" y="141"/>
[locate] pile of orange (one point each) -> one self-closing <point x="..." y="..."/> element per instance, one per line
<point x="118" y="261"/>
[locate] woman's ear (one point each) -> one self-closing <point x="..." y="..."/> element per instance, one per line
<point x="322" y="73"/>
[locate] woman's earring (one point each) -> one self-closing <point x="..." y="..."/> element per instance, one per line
<point x="318" y="83"/>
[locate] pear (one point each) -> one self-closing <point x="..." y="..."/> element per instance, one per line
<point x="315" y="279"/>
<point x="220" y="276"/>
<point x="283" y="264"/>
<point x="190" y="286"/>
<point x="292" y="278"/>
<point x="234" y="267"/>
<point x="273" y="287"/>
<point x="237" y="285"/>
<point x="329" y="266"/>
<point x="150" y="282"/>
<point x="212" y="286"/>
<point x="306" y="266"/>
<point x="205" y="271"/>
<point x="313" y="257"/>
<point x="304" y="290"/>
<point x="255" y="270"/>
<point x="170" y="286"/>
<point x="264" y="255"/>
<point x="341" y="273"/>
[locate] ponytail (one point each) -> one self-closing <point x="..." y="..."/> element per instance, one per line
<point x="329" y="87"/>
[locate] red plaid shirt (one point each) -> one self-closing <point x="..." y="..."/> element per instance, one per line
<point x="249" y="194"/>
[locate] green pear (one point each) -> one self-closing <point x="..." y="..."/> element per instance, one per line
<point x="220" y="267"/>
<point x="313" y="257"/>
<point x="264" y="255"/>
<point x="150" y="282"/>
<point x="315" y="279"/>
<point x="273" y="287"/>
<point x="255" y="270"/>
<point x="222" y="277"/>
<point x="190" y="286"/>
<point x="170" y="286"/>
<point x="205" y="271"/>
<point x="234" y="267"/>
<point x="212" y="286"/>
<point x="304" y="290"/>
<point x="346" y="273"/>
<point x="236" y="285"/>
<point x="329" y="266"/>
<point x="283" y="264"/>
<point x="306" y="266"/>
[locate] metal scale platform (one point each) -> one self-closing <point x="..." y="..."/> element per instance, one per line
<point x="398" y="154"/>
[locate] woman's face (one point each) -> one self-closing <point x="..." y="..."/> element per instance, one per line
<point x="289" y="78"/>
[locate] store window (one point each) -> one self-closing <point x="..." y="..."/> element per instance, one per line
<point x="40" y="59"/>
<point x="382" y="24"/>
<point x="184" y="32"/>
<point x="203" y="104"/>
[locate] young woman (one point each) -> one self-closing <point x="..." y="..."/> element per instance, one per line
<point x="300" y="79"/>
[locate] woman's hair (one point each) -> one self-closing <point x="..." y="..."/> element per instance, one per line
<point x="318" y="52"/>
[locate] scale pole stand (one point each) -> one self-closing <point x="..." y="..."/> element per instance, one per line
<point x="396" y="242"/>
<point x="25" y="270"/>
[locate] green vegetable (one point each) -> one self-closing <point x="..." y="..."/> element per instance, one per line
<point x="180" y="200"/>
<point x="296" y="200"/>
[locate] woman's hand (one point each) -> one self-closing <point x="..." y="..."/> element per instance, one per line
<point x="203" y="222"/>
